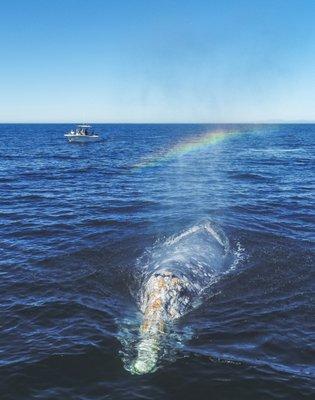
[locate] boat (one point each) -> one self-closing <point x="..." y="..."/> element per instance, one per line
<point x="82" y="134"/>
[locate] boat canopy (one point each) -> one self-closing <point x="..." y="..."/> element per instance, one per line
<point x="84" y="126"/>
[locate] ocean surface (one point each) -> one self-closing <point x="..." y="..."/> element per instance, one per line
<point x="82" y="224"/>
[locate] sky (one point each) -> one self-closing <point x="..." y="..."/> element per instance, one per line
<point x="137" y="61"/>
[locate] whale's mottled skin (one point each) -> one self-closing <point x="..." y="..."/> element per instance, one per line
<point x="165" y="297"/>
<point x="174" y="280"/>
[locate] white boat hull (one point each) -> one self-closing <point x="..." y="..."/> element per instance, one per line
<point x="82" y="138"/>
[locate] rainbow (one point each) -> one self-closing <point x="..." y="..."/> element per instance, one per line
<point x="181" y="148"/>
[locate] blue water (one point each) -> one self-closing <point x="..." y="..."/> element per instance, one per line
<point x="79" y="224"/>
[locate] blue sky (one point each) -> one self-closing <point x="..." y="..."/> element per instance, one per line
<point x="157" y="61"/>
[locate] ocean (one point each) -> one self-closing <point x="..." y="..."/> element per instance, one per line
<point x="83" y="224"/>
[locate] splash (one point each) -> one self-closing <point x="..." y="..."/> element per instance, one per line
<point x="173" y="278"/>
<point x="186" y="146"/>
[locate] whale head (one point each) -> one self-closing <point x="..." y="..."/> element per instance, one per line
<point x="165" y="297"/>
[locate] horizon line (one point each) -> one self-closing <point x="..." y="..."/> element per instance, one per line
<point x="163" y="123"/>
